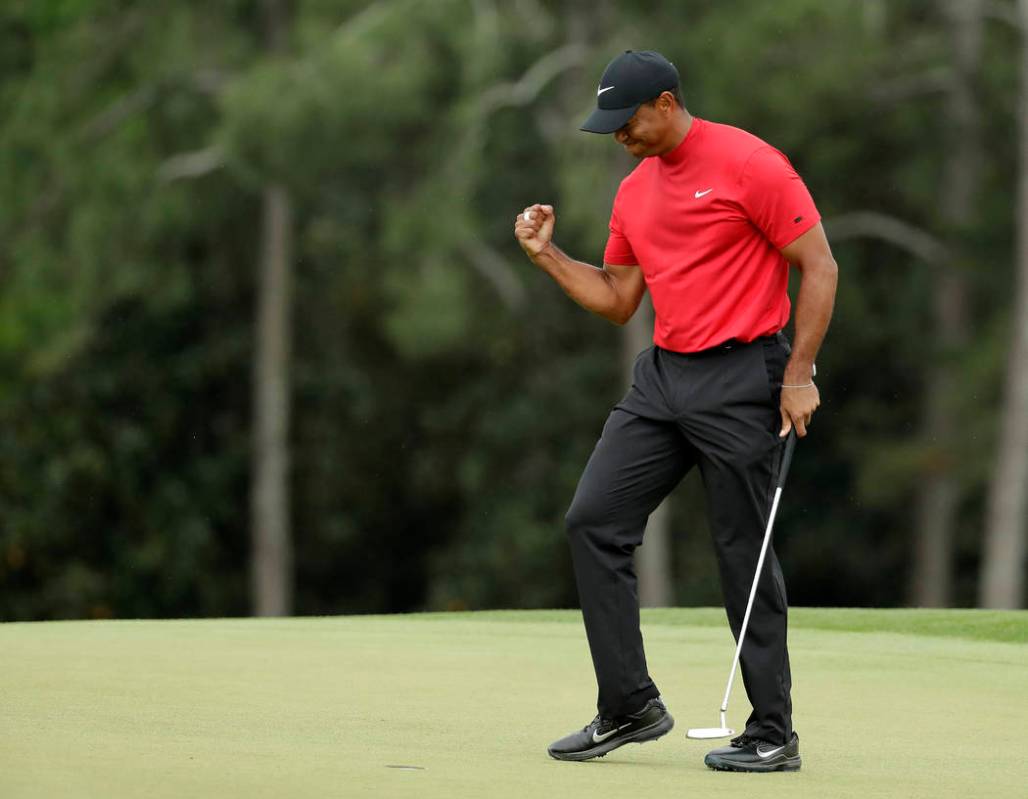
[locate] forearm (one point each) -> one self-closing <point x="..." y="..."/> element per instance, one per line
<point x="813" y="312"/>
<point x="589" y="286"/>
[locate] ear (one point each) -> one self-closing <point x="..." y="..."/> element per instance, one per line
<point x="666" y="102"/>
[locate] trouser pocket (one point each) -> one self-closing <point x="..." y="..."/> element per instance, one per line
<point x="776" y="355"/>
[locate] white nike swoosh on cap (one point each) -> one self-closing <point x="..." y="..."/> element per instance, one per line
<point x="768" y="754"/>
<point x="601" y="91"/>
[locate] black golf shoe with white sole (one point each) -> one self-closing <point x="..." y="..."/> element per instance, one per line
<point x="602" y="735"/>
<point x="747" y="753"/>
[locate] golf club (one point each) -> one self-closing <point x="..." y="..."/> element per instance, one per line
<point x="723" y="731"/>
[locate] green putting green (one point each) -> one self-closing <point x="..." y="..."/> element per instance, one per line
<point x="887" y="703"/>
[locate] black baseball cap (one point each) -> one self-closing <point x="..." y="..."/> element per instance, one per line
<point x="630" y="80"/>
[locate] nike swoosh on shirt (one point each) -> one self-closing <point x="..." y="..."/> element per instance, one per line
<point x="699" y="194"/>
<point x="769" y="754"/>
<point x="601" y="91"/>
<point x="601" y="738"/>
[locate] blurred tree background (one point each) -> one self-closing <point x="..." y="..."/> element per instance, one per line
<point x="267" y="343"/>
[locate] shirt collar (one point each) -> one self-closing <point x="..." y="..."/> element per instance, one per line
<point x="681" y="152"/>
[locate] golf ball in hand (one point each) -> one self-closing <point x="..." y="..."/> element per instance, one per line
<point x="528" y="216"/>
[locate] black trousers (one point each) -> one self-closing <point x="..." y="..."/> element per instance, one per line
<point x="717" y="410"/>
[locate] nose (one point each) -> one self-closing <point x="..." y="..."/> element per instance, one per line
<point x="620" y="136"/>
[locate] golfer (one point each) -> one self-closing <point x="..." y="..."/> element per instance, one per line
<point x="708" y="221"/>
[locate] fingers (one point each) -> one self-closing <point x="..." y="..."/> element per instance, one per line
<point x="800" y="423"/>
<point x="526" y="224"/>
<point x="797" y="410"/>
<point x="534" y="215"/>
<point x="524" y="232"/>
<point x="786" y="424"/>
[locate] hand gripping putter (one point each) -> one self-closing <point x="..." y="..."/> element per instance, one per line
<point x="723" y="731"/>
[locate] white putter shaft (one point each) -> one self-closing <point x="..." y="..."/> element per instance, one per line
<point x="723" y="731"/>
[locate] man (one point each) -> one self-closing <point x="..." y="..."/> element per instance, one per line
<point x="709" y="222"/>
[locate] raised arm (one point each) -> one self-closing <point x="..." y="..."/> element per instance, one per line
<point x="613" y="292"/>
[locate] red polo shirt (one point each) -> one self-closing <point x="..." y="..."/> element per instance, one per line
<point x="705" y="223"/>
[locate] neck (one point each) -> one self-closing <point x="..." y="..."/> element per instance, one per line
<point x="678" y="130"/>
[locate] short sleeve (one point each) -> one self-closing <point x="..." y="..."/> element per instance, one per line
<point x="775" y="198"/>
<point x="618" y="250"/>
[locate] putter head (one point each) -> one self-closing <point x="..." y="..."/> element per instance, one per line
<point x="710" y="732"/>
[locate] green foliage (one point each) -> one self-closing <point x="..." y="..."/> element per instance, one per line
<point x="446" y="394"/>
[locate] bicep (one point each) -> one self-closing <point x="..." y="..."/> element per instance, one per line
<point x="629" y="282"/>
<point x="809" y="248"/>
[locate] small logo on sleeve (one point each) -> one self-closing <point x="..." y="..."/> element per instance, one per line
<point x="699" y="194"/>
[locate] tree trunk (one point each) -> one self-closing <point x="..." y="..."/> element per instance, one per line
<point x="272" y="546"/>
<point x="653" y="558"/>
<point x="1003" y="563"/>
<point x="272" y="550"/>
<point x="940" y="490"/>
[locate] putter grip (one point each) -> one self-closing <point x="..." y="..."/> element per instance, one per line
<point x="790" y="447"/>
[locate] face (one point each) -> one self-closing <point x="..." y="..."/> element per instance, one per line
<point x="646" y="133"/>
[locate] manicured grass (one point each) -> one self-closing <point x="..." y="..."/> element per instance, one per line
<point x="887" y="703"/>
<point x="977" y="625"/>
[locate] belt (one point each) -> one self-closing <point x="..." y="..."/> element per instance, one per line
<point x="723" y="347"/>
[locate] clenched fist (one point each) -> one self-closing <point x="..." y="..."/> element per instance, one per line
<point x="534" y="228"/>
